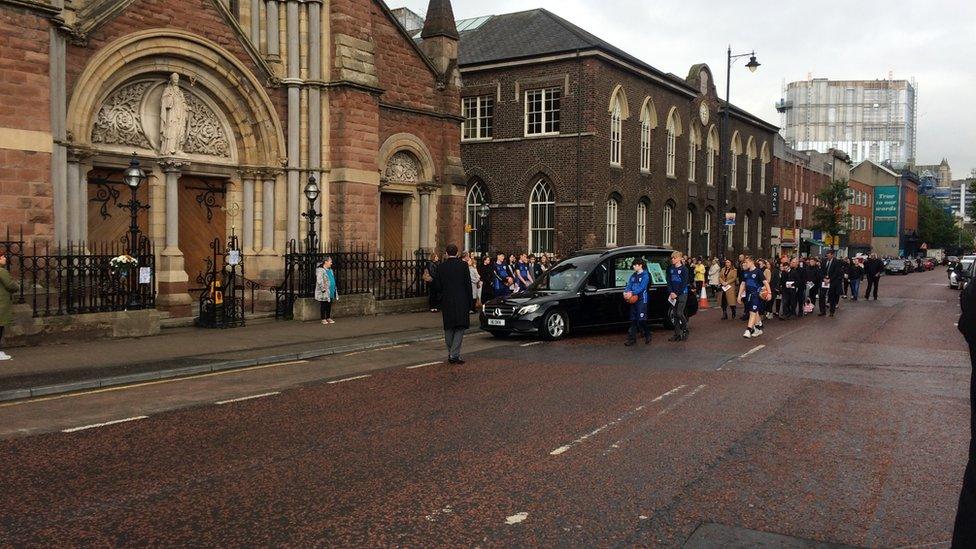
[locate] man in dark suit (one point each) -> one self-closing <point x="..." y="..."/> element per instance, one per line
<point x="831" y="283"/>
<point x="964" y="534"/>
<point x="453" y="286"/>
<point x="872" y="271"/>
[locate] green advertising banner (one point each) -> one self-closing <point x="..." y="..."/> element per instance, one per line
<point x="886" y="211"/>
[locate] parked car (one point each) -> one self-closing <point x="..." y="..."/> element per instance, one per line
<point x="897" y="266"/>
<point x="961" y="272"/>
<point x="583" y="291"/>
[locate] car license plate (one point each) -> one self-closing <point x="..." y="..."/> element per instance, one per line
<point x="496" y="321"/>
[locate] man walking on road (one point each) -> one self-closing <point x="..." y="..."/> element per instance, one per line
<point x="831" y="283"/>
<point x="964" y="533"/>
<point x="872" y="271"/>
<point x="636" y="294"/>
<point x="453" y="284"/>
<point x="679" y="279"/>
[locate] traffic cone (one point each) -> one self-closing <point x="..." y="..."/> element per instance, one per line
<point x="703" y="299"/>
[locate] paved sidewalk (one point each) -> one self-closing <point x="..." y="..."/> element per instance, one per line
<point x="194" y="349"/>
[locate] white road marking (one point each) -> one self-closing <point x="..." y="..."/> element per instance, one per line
<point x="415" y="366"/>
<point x="602" y="428"/>
<point x="616" y="445"/>
<point x="530" y="343"/>
<point x="753" y="350"/>
<point x="347" y="379"/>
<point x="240" y="399"/>
<point x="516" y="518"/>
<point x="94" y="425"/>
<point x="375" y="349"/>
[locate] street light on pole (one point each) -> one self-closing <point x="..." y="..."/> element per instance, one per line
<point x="483" y="212"/>
<point x="311" y="193"/>
<point x="723" y="206"/>
<point x="134" y="176"/>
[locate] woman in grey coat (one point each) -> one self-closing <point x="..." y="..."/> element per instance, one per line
<point x="326" y="292"/>
<point x="7" y="290"/>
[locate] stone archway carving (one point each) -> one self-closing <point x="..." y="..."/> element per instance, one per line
<point x="228" y="90"/>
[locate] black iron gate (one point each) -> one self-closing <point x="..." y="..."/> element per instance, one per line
<point x="222" y="295"/>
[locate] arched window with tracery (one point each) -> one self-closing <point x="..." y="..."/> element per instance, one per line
<point x="473" y="222"/>
<point x="674" y="130"/>
<point x="542" y="218"/>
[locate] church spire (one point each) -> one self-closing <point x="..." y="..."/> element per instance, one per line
<point x="439" y="21"/>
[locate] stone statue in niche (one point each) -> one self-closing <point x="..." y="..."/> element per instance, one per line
<point x="173" y="116"/>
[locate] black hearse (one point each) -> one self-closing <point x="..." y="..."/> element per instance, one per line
<point x="583" y="291"/>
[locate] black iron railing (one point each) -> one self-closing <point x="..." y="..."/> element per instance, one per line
<point x="79" y="278"/>
<point x="358" y="270"/>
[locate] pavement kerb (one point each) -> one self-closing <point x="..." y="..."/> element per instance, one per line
<point x="190" y="371"/>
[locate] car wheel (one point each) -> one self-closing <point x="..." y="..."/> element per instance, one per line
<point x="555" y="325"/>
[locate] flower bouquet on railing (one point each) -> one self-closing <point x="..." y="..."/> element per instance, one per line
<point x="122" y="264"/>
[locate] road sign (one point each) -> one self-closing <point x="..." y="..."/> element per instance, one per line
<point x="730" y="219"/>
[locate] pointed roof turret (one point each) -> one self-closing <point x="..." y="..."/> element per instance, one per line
<point x="440" y="20"/>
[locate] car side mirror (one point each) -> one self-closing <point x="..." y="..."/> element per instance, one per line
<point x="589" y="289"/>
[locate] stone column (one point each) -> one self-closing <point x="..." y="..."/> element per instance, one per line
<point x="315" y="108"/>
<point x="425" y="192"/>
<point x="268" y="215"/>
<point x="271" y="26"/>
<point x="171" y="272"/>
<point x="256" y="24"/>
<point x="247" y="223"/>
<point x="293" y="200"/>
<point x="75" y="191"/>
<point x="58" y="114"/>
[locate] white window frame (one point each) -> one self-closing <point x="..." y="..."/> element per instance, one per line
<point x="749" y="161"/>
<point x="689" y="224"/>
<point x="612" y="208"/>
<point x="707" y="232"/>
<point x="710" y="160"/>
<point x="545" y="115"/>
<point x="672" y="144"/>
<point x="645" y="146"/>
<point x="641" y="237"/>
<point x="759" y="230"/>
<point x="615" y="133"/>
<point x="666" y="225"/>
<point x="484" y="123"/>
<point x="542" y="197"/>
<point x="472" y="202"/>
<point x="762" y="177"/>
<point x="734" y="171"/>
<point x="692" y="158"/>
<point x="745" y="231"/>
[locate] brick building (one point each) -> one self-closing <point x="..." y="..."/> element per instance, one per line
<point x="797" y="178"/>
<point x="894" y="215"/>
<point x="860" y="206"/>
<point x="571" y="142"/>
<point x="230" y="105"/>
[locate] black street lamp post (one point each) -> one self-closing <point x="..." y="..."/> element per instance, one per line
<point x="133" y="177"/>
<point x="482" y="243"/>
<point x="723" y="191"/>
<point x="311" y="193"/>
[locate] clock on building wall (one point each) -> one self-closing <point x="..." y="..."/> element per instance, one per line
<point x="703" y="113"/>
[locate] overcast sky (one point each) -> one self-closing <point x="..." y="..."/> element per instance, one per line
<point x="933" y="41"/>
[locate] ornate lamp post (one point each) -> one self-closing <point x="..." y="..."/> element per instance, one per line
<point x="723" y="191"/>
<point x="133" y="177"/>
<point x="483" y="212"/>
<point x="311" y="193"/>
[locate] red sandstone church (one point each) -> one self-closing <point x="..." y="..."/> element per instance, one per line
<point x="230" y="105"/>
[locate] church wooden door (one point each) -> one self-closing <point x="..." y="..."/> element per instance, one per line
<point x="391" y="225"/>
<point x="202" y="219"/>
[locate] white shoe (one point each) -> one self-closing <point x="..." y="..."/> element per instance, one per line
<point x="5" y="356"/>
<point x="747" y="334"/>
<point x="325" y="322"/>
<point x="757" y="333"/>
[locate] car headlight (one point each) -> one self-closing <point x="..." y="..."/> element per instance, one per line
<point x="952" y="277"/>
<point x="528" y="309"/>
